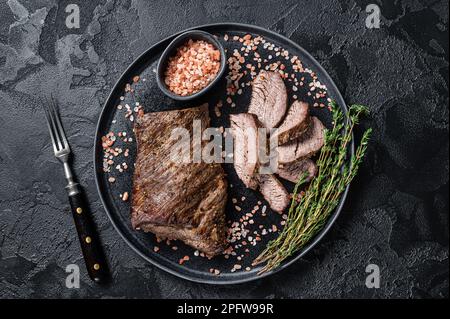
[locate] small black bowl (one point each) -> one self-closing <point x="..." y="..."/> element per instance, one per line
<point x="170" y="51"/>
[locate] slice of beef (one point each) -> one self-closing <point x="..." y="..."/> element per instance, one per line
<point x="295" y="124"/>
<point x="274" y="192"/>
<point x="305" y="146"/>
<point x="244" y="131"/>
<point x="293" y="170"/>
<point x="269" y="98"/>
<point x="177" y="199"/>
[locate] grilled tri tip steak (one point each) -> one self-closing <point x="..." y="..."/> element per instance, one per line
<point x="295" y="124"/>
<point x="269" y="98"/>
<point x="245" y="157"/>
<point x="274" y="192"/>
<point x="293" y="170"/>
<point x="299" y="136"/>
<point x="306" y="145"/>
<point x="175" y="199"/>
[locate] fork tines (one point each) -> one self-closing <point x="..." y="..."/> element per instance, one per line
<point x="59" y="140"/>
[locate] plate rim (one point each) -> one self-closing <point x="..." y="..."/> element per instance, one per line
<point x="331" y="220"/>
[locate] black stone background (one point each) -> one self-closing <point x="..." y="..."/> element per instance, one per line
<point x="396" y="215"/>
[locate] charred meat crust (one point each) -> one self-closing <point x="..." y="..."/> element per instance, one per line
<point x="177" y="200"/>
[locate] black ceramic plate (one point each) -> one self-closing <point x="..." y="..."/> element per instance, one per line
<point x="152" y="99"/>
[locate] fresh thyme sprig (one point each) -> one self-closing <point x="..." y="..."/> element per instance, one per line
<point x="309" y="212"/>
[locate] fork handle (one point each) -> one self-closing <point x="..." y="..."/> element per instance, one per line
<point x="89" y="241"/>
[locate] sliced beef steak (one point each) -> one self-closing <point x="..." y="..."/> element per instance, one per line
<point x="293" y="170"/>
<point x="245" y="158"/>
<point x="176" y="199"/>
<point x="295" y="124"/>
<point x="274" y="192"/>
<point x="269" y="98"/>
<point x="305" y="146"/>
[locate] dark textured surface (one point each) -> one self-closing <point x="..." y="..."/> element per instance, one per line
<point x="396" y="215"/>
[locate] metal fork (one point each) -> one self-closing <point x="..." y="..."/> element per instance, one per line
<point x="90" y="244"/>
